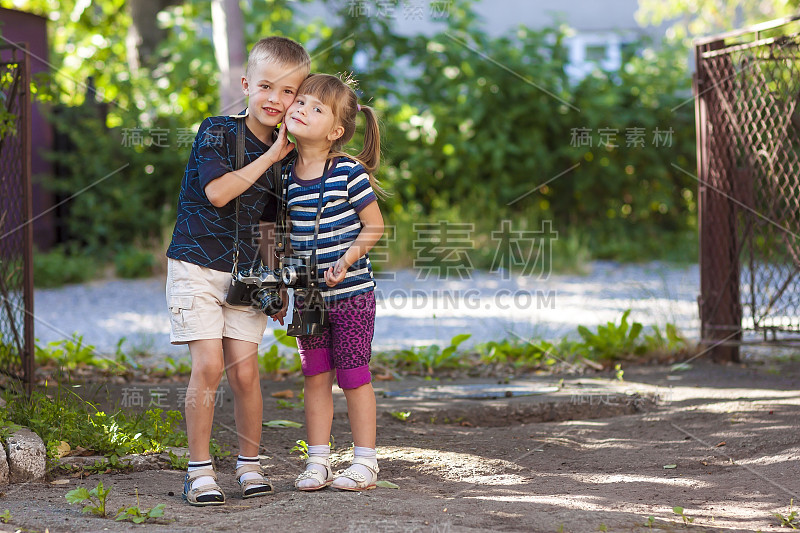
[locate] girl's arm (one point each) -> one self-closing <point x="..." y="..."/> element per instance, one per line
<point x="371" y="232"/>
<point x="228" y="186"/>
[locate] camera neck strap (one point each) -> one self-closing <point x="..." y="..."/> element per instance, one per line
<point x="313" y="267"/>
<point x="275" y="187"/>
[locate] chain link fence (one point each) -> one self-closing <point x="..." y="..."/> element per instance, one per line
<point x="16" y="232"/>
<point x="747" y="90"/>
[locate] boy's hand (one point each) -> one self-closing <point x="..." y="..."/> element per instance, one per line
<point x="279" y="316"/>
<point x="335" y="274"/>
<point x="281" y="147"/>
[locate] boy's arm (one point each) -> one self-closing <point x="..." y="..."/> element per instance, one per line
<point x="225" y="188"/>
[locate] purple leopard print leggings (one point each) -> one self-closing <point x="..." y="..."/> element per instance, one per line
<point x="346" y="345"/>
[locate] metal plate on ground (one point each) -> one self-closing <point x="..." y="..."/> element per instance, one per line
<point x="469" y="392"/>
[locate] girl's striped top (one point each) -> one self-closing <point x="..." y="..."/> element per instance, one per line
<point x="347" y="191"/>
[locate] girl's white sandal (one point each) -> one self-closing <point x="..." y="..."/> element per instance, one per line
<point x="362" y="483"/>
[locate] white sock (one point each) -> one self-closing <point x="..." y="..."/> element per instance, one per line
<point x="363" y="453"/>
<point x="242" y="460"/>
<point x="202" y="480"/>
<point x="322" y="451"/>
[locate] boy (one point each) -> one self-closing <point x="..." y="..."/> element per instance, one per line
<point x="221" y="337"/>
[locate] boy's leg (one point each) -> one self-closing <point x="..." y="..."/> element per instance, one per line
<point x="207" y="367"/>
<point x="241" y="367"/>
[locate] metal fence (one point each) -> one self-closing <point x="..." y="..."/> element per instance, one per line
<point x="747" y="90"/>
<point x="16" y="233"/>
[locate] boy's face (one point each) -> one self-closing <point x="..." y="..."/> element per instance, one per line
<point x="310" y="119"/>
<point x="271" y="88"/>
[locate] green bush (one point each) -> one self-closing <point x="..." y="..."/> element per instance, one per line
<point x="61" y="266"/>
<point x="134" y="263"/>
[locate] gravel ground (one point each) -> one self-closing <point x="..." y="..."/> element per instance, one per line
<point x="411" y="311"/>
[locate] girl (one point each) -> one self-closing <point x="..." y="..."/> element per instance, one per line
<point x="322" y="120"/>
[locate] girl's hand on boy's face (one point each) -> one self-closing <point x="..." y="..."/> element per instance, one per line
<point x="335" y="274"/>
<point x="281" y="147"/>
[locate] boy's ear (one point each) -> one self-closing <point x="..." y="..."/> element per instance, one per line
<point x="245" y="86"/>
<point x="335" y="133"/>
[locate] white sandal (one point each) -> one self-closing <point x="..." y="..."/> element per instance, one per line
<point x="358" y="477"/>
<point x="316" y="475"/>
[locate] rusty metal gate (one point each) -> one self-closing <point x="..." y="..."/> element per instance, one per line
<point x="747" y="90"/>
<point x="16" y="233"/>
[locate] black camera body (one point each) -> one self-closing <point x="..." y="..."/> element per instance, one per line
<point x="257" y="288"/>
<point x="310" y="315"/>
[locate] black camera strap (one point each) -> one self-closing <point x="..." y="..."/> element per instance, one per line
<point x="275" y="185"/>
<point x="316" y="225"/>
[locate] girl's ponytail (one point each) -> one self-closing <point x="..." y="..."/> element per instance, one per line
<point x="371" y="154"/>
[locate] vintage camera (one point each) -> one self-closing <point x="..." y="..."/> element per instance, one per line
<point x="310" y="315"/>
<point x="258" y="288"/>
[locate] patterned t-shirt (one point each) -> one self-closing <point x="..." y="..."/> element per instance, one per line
<point x="204" y="235"/>
<point x="347" y="192"/>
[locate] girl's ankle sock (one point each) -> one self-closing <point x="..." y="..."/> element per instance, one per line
<point x="242" y="460"/>
<point x="361" y="452"/>
<point x="202" y="480"/>
<point x="323" y="451"/>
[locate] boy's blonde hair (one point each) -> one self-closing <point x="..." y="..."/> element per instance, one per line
<point x="281" y="50"/>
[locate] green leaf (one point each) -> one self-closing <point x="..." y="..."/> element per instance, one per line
<point x="677" y="510"/>
<point x="458" y="339"/>
<point x="285" y="339"/>
<point x="670" y="467"/>
<point x="282" y="424"/>
<point x="77" y="495"/>
<point x="386" y="484"/>
<point x="138" y="519"/>
<point x="157" y="511"/>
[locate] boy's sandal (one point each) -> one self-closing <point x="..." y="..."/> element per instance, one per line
<point x="361" y="480"/>
<point x="253" y="487"/>
<point x="199" y="496"/>
<point x="316" y="475"/>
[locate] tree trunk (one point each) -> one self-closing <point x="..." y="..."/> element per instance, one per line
<point x="229" y="49"/>
<point x="144" y="34"/>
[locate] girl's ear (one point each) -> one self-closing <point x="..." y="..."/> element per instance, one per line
<point x="335" y="133"/>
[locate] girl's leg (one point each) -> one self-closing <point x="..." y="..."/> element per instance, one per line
<point x="241" y="367"/>
<point x="363" y="416"/>
<point x="207" y="367"/>
<point x="318" y="400"/>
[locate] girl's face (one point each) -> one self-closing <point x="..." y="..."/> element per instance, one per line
<point x="311" y="120"/>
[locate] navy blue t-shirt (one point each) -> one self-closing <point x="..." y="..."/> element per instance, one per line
<point x="204" y="234"/>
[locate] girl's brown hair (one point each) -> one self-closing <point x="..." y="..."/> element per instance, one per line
<point x="337" y="93"/>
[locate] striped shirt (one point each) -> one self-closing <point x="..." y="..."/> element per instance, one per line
<point x="347" y="192"/>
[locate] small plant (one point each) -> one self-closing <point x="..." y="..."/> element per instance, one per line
<point x="5" y="516"/>
<point x="401" y="415"/>
<point x="650" y="521"/>
<point x="301" y="447"/>
<point x="613" y="340"/>
<point x="271" y="361"/>
<point x="137" y="515"/>
<point x="96" y="499"/>
<point x="792" y="518"/>
<point x="432" y="358"/>
<point x="679" y="511"/>
<point x="618" y="372"/>
<point x="602" y="527"/>
<point x="178" y="367"/>
<point x="178" y="462"/>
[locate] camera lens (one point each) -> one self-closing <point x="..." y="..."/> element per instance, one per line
<point x="290" y="275"/>
<point x="269" y="301"/>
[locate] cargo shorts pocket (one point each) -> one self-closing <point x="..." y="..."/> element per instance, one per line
<point x="181" y="309"/>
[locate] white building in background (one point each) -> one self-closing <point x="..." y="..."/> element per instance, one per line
<point x="601" y="30"/>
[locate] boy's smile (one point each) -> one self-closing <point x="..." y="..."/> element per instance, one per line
<point x="271" y="88"/>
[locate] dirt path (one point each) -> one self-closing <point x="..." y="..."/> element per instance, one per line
<point x="499" y="465"/>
